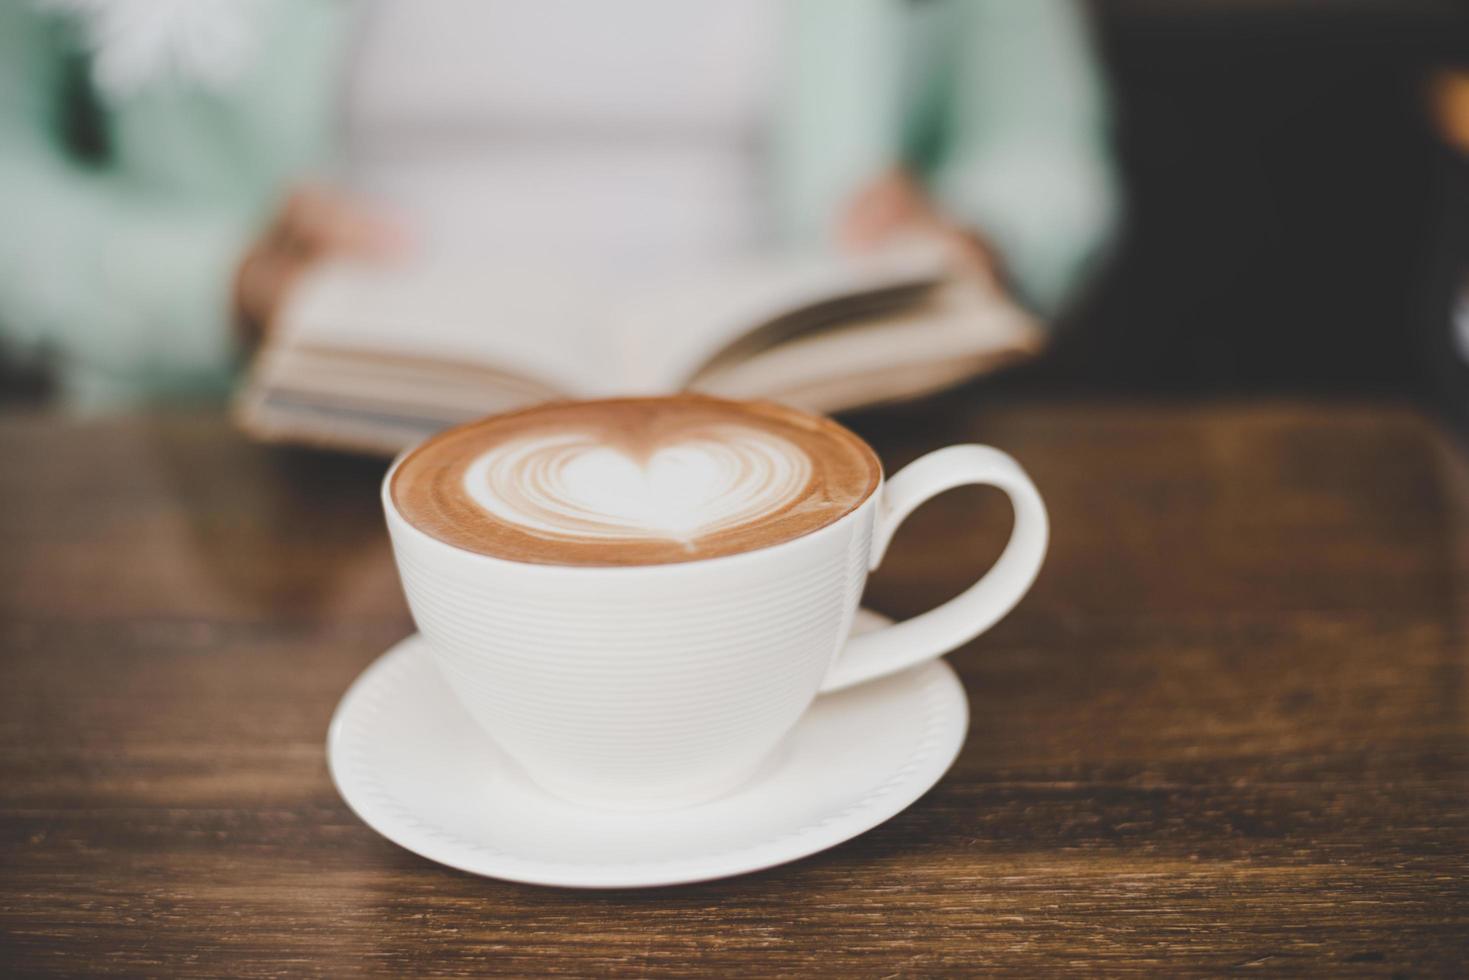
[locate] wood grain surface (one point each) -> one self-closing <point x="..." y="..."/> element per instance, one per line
<point x="1227" y="733"/>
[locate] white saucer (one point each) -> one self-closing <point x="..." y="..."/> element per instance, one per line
<point x="415" y="768"/>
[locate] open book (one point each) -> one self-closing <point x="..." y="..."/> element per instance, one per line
<point x="375" y="361"/>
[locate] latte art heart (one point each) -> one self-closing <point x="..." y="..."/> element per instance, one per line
<point x="575" y="486"/>
<point x="633" y="481"/>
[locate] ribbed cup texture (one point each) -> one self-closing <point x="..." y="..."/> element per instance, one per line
<point x="643" y="686"/>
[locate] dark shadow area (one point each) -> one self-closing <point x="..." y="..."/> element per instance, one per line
<point x="1283" y="188"/>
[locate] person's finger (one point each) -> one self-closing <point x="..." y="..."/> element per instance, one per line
<point x="263" y="283"/>
<point x="307" y="225"/>
<point x="310" y="218"/>
<point x="326" y="222"/>
<point x="288" y="233"/>
<point x="874" y="215"/>
<point x="887" y="206"/>
<point x="972" y="256"/>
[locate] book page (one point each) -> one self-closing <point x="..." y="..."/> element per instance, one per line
<point x="584" y="337"/>
<point x="518" y="320"/>
<point x="961" y="331"/>
<point x="667" y="333"/>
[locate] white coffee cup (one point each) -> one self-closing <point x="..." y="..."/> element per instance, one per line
<point x="653" y="686"/>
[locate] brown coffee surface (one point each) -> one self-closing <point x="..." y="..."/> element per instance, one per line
<point x="633" y="481"/>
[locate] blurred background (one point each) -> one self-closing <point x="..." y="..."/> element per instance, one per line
<point x="1296" y="209"/>
<point x="1292" y="178"/>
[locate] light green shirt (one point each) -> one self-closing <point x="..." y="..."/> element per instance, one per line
<point x="118" y="271"/>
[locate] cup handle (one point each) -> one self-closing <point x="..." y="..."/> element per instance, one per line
<point x="934" y="633"/>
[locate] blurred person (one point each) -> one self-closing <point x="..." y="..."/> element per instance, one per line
<point x="169" y="169"/>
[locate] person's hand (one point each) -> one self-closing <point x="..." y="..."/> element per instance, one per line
<point x="312" y="223"/>
<point x="894" y="206"/>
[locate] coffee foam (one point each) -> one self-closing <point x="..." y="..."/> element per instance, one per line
<point x="634" y="481"/>
<point x="573" y="485"/>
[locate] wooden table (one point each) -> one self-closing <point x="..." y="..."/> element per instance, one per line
<point x="1229" y="730"/>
